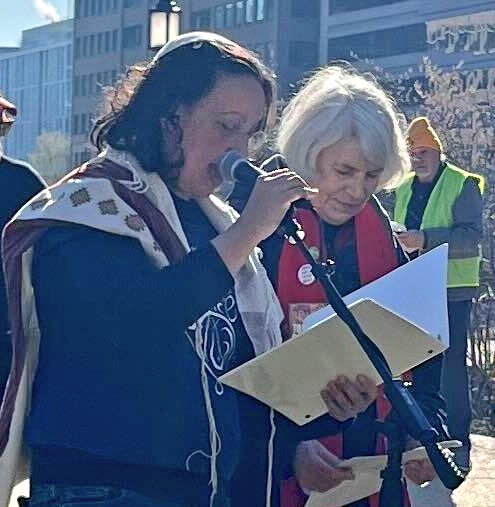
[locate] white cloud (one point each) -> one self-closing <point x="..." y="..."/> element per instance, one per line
<point x="47" y="10"/>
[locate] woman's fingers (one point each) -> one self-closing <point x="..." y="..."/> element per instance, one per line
<point x="290" y="184"/>
<point x="367" y="388"/>
<point x="419" y="471"/>
<point x="333" y="408"/>
<point x="345" y="399"/>
<point x="316" y="467"/>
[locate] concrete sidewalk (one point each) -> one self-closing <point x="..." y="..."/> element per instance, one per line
<point x="477" y="491"/>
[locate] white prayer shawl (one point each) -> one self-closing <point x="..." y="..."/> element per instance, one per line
<point x="79" y="201"/>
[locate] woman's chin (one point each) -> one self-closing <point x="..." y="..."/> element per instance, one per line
<point x="334" y="217"/>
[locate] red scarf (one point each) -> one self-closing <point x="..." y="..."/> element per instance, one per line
<point x="299" y="296"/>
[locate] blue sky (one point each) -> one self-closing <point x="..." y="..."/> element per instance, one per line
<point x="17" y="15"/>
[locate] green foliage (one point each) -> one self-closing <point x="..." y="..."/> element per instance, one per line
<point x="51" y="156"/>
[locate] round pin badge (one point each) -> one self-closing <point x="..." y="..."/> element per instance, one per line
<point x="305" y="275"/>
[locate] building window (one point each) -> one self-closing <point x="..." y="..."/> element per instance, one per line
<point x="201" y="19"/>
<point x="269" y="9"/>
<point x="84" y="119"/>
<point x="239" y="12"/>
<point x="114" y="76"/>
<point x="77" y="86"/>
<point x="85" y="46"/>
<point x="91" y="84"/>
<point x="336" y="6"/>
<point x="390" y="42"/>
<point x="107" y="42"/>
<point x="84" y="86"/>
<point x="132" y="3"/>
<point x="132" y="36"/>
<point x="99" y="43"/>
<point x="106" y="77"/>
<point x="260" y="10"/>
<point x="229" y="15"/>
<point x="77" y="47"/>
<point x="303" y="54"/>
<point x="93" y="8"/>
<point x="250" y="11"/>
<point x="270" y="55"/>
<point x="219" y="16"/>
<point x="91" y="45"/>
<point x="75" y="124"/>
<point x="306" y="9"/>
<point x="115" y="39"/>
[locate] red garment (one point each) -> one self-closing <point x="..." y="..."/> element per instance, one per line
<point x="376" y="256"/>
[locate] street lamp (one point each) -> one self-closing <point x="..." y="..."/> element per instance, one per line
<point x="164" y="23"/>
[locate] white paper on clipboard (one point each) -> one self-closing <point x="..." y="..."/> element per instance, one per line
<point x="416" y="291"/>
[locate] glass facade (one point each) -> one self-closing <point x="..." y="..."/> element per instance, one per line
<point x="379" y="44"/>
<point x="336" y="6"/>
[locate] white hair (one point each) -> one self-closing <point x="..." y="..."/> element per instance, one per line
<point x="339" y="103"/>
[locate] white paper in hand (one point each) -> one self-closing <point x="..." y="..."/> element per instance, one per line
<point x="367" y="479"/>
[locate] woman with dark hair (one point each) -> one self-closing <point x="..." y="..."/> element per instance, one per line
<point x="141" y="288"/>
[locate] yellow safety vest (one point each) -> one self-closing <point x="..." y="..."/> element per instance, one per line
<point x="463" y="272"/>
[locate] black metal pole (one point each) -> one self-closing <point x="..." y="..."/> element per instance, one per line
<point x="391" y="492"/>
<point x="408" y="416"/>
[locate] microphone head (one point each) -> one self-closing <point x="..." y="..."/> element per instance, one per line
<point x="226" y="166"/>
<point x="230" y="160"/>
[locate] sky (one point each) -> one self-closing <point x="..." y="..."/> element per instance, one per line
<point x="17" y="15"/>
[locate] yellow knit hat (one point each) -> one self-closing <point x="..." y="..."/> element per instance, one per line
<point x="421" y="134"/>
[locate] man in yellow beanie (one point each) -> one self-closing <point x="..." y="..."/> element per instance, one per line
<point x="441" y="203"/>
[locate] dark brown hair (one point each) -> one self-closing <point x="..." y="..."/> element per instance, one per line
<point x="133" y="110"/>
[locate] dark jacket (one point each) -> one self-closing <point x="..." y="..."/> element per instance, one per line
<point x="18" y="183"/>
<point x="118" y="379"/>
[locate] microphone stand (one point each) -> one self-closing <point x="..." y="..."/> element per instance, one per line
<point x="406" y="417"/>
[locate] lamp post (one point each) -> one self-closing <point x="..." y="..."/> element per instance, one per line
<point x="163" y="23"/>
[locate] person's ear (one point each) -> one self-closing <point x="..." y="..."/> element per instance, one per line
<point x="171" y="143"/>
<point x="171" y="130"/>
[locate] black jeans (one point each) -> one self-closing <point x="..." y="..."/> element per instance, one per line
<point x="48" y="495"/>
<point x="455" y="385"/>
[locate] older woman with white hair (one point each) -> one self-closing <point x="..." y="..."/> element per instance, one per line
<point x="342" y="133"/>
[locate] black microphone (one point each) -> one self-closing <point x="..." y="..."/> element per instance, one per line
<point x="239" y="173"/>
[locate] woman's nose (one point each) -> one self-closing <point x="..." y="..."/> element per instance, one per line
<point x="357" y="191"/>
